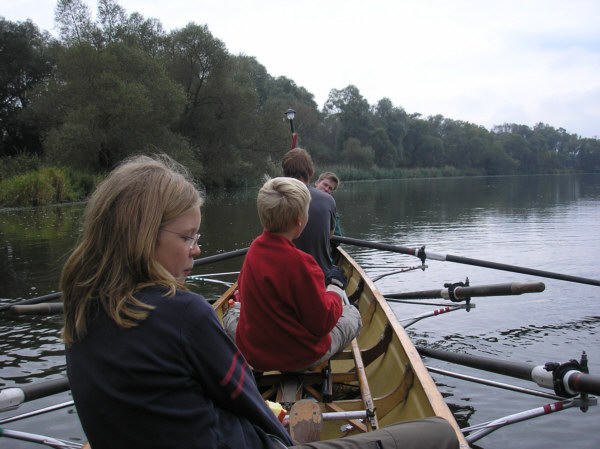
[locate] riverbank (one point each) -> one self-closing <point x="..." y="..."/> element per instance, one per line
<point x="31" y="184"/>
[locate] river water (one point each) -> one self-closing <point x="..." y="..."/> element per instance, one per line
<point x="549" y="223"/>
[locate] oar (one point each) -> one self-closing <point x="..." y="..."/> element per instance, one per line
<point x="46" y="308"/>
<point x="462" y="292"/>
<point x="491" y="383"/>
<point x="410" y="321"/>
<point x="566" y="380"/>
<point x="219" y="257"/>
<point x="57" y="295"/>
<point x="481" y="430"/>
<point x="36" y="300"/>
<point x="39" y="411"/>
<point x="40" y="439"/>
<point x="421" y="254"/>
<point x="15" y="396"/>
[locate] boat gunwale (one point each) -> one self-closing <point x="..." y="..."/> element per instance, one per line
<point x="431" y="390"/>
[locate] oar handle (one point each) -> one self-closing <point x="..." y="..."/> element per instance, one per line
<point x="48" y="308"/>
<point x="423" y="294"/>
<point x="15" y="396"/>
<point x="514" y="288"/>
<point x="36" y="300"/>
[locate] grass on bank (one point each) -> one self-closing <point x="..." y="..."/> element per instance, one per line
<point x="347" y="173"/>
<point x="39" y="186"/>
<point x="25" y="182"/>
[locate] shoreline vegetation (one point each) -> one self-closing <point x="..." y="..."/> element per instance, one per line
<point x="114" y="84"/>
<point x="37" y="185"/>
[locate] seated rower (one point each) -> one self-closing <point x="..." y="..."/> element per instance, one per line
<point x="291" y="318"/>
<point x="328" y="182"/>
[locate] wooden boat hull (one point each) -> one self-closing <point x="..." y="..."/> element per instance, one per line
<point x="381" y="371"/>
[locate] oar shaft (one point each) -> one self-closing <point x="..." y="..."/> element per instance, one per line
<point x="522" y="270"/>
<point x="219" y="257"/>
<point x="40" y="439"/>
<point x="36" y="412"/>
<point x="507" y="368"/>
<point x="57" y="295"/>
<point x="376" y="245"/>
<point x="423" y="255"/>
<point x="489" y="427"/>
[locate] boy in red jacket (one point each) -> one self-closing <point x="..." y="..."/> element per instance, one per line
<point x="291" y="317"/>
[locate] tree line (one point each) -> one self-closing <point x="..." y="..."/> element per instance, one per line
<point x="117" y="84"/>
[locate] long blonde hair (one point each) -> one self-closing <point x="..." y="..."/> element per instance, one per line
<point x="114" y="258"/>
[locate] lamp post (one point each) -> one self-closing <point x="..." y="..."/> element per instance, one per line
<point x="290" y="113"/>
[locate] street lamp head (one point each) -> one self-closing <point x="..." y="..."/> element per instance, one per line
<point x="290" y="114"/>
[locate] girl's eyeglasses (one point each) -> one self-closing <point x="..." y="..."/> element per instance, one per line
<point x="193" y="240"/>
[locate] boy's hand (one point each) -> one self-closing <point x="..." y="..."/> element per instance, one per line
<point x="337" y="277"/>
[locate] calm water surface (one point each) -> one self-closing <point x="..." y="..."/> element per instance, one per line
<point x="548" y="222"/>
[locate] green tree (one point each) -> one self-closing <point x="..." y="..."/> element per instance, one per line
<point x="385" y="152"/>
<point x="27" y="59"/>
<point x="195" y="58"/>
<point x="468" y="145"/>
<point x="356" y="155"/>
<point x="352" y="112"/>
<point x="519" y="143"/>
<point x="111" y="103"/>
<point x="74" y="22"/>
<point x="112" y="19"/>
<point x="588" y="160"/>
<point x="421" y="148"/>
<point x="146" y="34"/>
<point x="282" y="94"/>
<point x="394" y="122"/>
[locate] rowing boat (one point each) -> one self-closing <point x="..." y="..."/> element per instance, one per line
<point x="377" y="381"/>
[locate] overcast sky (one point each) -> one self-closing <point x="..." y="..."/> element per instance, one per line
<point x="489" y="63"/>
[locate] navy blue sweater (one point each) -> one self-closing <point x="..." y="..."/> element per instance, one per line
<point x="174" y="381"/>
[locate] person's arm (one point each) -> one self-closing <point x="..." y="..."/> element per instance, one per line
<point x="319" y="309"/>
<point x="332" y="218"/>
<point x="224" y="373"/>
<point x="338" y="229"/>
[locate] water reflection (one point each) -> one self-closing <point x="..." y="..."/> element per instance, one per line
<point x="34" y="243"/>
<point x="411" y="204"/>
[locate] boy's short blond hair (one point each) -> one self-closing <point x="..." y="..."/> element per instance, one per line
<point x="280" y="202"/>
